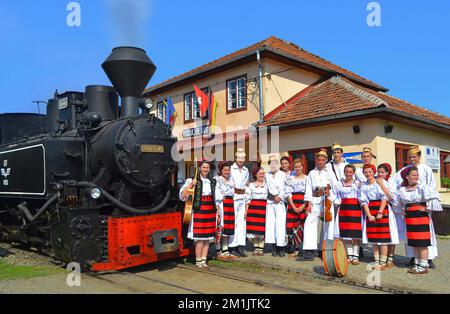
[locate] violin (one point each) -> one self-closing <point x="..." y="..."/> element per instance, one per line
<point x="327" y="205"/>
<point x="189" y="205"/>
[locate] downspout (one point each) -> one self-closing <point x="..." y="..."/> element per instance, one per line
<point x="260" y="82"/>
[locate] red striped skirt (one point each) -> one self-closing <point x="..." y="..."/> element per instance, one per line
<point x="204" y="222"/>
<point x="417" y="225"/>
<point x="256" y="217"/>
<point x="292" y="218"/>
<point x="350" y="214"/>
<point x="228" y="216"/>
<point x="378" y="231"/>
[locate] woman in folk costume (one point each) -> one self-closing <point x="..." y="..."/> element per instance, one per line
<point x="417" y="200"/>
<point x="389" y="187"/>
<point x="276" y="209"/>
<point x="255" y="212"/>
<point x="349" y="220"/>
<point x="296" y="211"/>
<point x="367" y="156"/>
<point x="225" y="206"/>
<point x="202" y="227"/>
<point x="318" y="186"/>
<point x="240" y="176"/>
<point x="286" y="164"/>
<point x="380" y="229"/>
<point x="425" y="177"/>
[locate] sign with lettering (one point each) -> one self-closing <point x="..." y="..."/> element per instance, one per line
<point x="432" y="157"/>
<point x="198" y="131"/>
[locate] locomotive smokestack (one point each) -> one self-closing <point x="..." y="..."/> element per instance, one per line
<point x="129" y="69"/>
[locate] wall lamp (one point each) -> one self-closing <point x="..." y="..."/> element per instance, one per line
<point x="388" y="129"/>
<point x="356" y="129"/>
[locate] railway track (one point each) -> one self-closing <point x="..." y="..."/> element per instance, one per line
<point x="116" y="279"/>
<point x="342" y="281"/>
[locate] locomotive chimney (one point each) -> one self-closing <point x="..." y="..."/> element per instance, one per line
<point x="129" y="69"/>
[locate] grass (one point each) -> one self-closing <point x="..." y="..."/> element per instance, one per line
<point x="10" y="272"/>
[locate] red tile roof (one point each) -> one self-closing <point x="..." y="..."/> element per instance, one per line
<point x="277" y="46"/>
<point x="339" y="95"/>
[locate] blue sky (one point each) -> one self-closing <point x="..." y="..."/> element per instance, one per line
<point x="409" y="53"/>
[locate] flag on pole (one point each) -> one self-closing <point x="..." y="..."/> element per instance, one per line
<point x="171" y="114"/>
<point x="202" y="101"/>
<point x="213" y="113"/>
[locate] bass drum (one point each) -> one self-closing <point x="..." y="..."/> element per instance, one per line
<point x="335" y="258"/>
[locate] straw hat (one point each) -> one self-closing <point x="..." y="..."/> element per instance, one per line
<point x="337" y="146"/>
<point x="240" y="154"/>
<point x="322" y="152"/>
<point x="415" y="150"/>
<point x="272" y="158"/>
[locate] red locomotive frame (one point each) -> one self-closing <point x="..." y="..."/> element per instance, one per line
<point x="142" y="240"/>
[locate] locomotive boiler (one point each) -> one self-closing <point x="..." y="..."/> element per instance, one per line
<point x="92" y="181"/>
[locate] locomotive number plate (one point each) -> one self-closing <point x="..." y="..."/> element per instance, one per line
<point x="146" y="148"/>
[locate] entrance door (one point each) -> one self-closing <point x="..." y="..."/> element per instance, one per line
<point x="307" y="156"/>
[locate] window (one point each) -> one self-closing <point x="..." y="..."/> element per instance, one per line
<point x="192" y="107"/>
<point x="307" y="156"/>
<point x="445" y="164"/>
<point x="237" y="94"/>
<point x="401" y="155"/>
<point x="161" y="110"/>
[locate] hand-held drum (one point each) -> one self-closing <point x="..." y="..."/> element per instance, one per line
<point x="334" y="256"/>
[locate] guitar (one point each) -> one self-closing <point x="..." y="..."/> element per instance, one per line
<point x="190" y="200"/>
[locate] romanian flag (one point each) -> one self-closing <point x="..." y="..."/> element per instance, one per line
<point x="171" y="114"/>
<point x="213" y="113"/>
<point x="202" y="101"/>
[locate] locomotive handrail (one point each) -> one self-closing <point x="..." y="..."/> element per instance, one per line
<point x="125" y="207"/>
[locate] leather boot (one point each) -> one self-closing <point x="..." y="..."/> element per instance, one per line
<point x="241" y="251"/>
<point x="274" y="250"/>
<point x="280" y="250"/>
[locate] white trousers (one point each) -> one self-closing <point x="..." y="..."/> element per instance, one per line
<point x="240" y="226"/>
<point x="276" y="224"/>
<point x="311" y="226"/>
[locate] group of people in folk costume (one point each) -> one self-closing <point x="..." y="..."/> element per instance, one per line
<point x="282" y="208"/>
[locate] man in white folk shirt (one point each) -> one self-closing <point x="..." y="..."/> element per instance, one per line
<point x="276" y="208"/>
<point x="336" y="166"/>
<point x="366" y="156"/>
<point x="240" y="176"/>
<point x="318" y="186"/>
<point x="426" y="177"/>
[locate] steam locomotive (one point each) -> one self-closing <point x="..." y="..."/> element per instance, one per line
<point x="91" y="182"/>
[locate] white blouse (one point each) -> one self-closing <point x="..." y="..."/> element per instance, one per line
<point x="206" y="190"/>
<point x="294" y="185"/>
<point x="276" y="184"/>
<point x="254" y="192"/>
<point x="371" y="192"/>
<point x="223" y="188"/>
<point x="421" y="194"/>
<point x="343" y="191"/>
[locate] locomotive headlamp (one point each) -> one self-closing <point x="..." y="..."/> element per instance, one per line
<point x="146" y="104"/>
<point x="95" y="193"/>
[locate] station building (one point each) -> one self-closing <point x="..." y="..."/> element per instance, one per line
<point x="312" y="101"/>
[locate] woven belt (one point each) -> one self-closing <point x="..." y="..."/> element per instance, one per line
<point x="239" y="191"/>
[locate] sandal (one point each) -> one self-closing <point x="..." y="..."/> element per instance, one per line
<point x="355" y="261"/>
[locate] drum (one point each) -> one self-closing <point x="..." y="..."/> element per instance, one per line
<point x="334" y="256"/>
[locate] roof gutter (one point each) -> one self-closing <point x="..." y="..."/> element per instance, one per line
<point x="360" y="113"/>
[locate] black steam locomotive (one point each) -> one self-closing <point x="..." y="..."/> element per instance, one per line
<point x="90" y="182"/>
